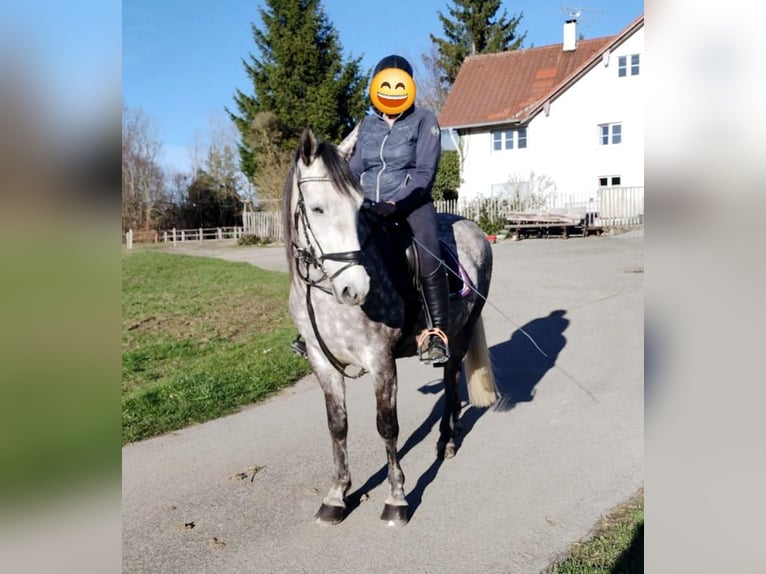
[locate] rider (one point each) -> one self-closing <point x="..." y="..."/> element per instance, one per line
<point x="395" y="158"/>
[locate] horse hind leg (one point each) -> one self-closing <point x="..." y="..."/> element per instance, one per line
<point x="449" y="427"/>
<point x="482" y="391"/>
<point x="395" y="508"/>
<point x="333" y="508"/>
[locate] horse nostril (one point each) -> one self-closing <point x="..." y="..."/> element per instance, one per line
<point x="348" y="294"/>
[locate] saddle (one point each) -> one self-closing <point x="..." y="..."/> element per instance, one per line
<point x="403" y="255"/>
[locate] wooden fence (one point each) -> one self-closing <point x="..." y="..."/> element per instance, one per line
<point x="264" y="224"/>
<point x="606" y="207"/>
<point x="182" y="235"/>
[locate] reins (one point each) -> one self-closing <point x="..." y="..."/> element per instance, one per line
<point x="472" y="288"/>
<point x="340" y="367"/>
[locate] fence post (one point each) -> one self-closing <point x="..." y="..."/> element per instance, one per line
<point x="164" y="236"/>
<point x="220" y="233"/>
<point x="183" y="236"/>
<point x="200" y="235"/>
<point x="129" y="239"/>
<point x="174" y="236"/>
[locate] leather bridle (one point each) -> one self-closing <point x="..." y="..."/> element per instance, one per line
<point x="309" y="258"/>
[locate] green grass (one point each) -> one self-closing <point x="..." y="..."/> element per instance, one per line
<point x="200" y="338"/>
<point x="617" y="547"/>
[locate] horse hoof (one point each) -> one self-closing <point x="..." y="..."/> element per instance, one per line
<point x="328" y="514"/>
<point x="446" y="450"/>
<point x="394" y="515"/>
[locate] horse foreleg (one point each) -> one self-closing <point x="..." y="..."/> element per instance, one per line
<point x="395" y="509"/>
<point x="333" y="506"/>
<point x="449" y="427"/>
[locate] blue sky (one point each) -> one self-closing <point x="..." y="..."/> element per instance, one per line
<point x="182" y="61"/>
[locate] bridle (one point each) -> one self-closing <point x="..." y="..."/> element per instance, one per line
<point x="307" y="259"/>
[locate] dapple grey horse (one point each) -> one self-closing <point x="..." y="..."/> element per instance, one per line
<point x="348" y="309"/>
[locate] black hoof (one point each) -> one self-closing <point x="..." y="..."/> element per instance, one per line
<point x="328" y="514"/>
<point x="394" y="514"/>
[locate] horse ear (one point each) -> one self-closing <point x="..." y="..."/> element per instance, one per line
<point x="308" y="146"/>
<point x="346" y="147"/>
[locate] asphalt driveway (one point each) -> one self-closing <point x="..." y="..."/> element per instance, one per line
<point x="532" y="475"/>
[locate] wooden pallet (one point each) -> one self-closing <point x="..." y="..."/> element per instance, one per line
<point x="565" y="220"/>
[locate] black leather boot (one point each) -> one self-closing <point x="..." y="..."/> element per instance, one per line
<point x="433" y="346"/>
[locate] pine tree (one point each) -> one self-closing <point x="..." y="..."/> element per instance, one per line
<point x="299" y="79"/>
<point x="474" y="29"/>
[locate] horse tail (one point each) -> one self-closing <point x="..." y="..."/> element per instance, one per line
<point x="482" y="391"/>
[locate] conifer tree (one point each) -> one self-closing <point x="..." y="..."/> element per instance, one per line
<point x="299" y="78"/>
<point x="474" y="29"/>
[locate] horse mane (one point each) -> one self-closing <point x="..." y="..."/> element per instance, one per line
<point x="341" y="178"/>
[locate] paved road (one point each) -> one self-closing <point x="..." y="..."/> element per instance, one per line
<point x="530" y="477"/>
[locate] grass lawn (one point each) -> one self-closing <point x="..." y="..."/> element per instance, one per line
<point x="617" y="546"/>
<point x="200" y="338"/>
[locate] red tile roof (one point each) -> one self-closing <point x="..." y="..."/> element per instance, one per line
<point x="513" y="86"/>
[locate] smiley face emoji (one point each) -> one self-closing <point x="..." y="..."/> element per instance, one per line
<point x="392" y="91"/>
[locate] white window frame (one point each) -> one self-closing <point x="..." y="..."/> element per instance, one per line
<point x="610" y="134"/>
<point x="510" y="138"/>
<point x="611" y="180"/>
<point x="623" y="65"/>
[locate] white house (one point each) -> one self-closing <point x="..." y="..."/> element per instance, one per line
<point x="567" y="117"/>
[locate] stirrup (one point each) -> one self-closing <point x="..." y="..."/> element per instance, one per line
<point x="298" y="346"/>
<point x="433" y="347"/>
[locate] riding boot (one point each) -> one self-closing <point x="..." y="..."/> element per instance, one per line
<point x="433" y="346"/>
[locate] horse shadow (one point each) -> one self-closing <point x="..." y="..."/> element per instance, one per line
<point x="518" y="365"/>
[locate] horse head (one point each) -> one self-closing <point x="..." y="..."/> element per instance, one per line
<point x="323" y="202"/>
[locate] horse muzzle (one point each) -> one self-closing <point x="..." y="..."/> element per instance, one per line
<point x="350" y="281"/>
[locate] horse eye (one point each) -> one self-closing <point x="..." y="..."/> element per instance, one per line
<point x="317" y="210"/>
<point x="385" y="85"/>
<point x="399" y="85"/>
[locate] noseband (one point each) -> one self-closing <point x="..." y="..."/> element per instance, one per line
<point x="308" y="257"/>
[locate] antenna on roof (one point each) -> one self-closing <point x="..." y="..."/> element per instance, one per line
<point x="573" y="13"/>
<point x="576" y="13"/>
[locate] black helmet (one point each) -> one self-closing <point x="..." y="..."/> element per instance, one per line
<point x="393" y="61"/>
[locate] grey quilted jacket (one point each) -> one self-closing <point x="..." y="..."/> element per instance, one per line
<point x="393" y="162"/>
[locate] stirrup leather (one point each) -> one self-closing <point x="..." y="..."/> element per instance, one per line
<point x="424" y="337"/>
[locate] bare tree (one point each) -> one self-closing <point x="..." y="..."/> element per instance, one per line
<point x="432" y="91"/>
<point x="529" y="192"/>
<point x="142" y="176"/>
<point x="265" y="139"/>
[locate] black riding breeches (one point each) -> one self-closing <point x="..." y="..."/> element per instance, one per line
<point x="425" y="229"/>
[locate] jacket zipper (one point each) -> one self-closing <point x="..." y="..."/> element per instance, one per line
<point x="383" y="161"/>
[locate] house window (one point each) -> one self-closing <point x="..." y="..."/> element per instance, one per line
<point x="609" y="134"/>
<point x="497" y="141"/>
<point x="508" y="136"/>
<point x="522" y="137"/>
<point x="509" y="139"/>
<point x="607" y="181"/>
<point x="622" y="65"/>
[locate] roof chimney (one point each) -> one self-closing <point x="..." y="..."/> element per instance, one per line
<point x="570" y="35"/>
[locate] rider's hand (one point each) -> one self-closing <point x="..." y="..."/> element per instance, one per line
<point x="383" y="209"/>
